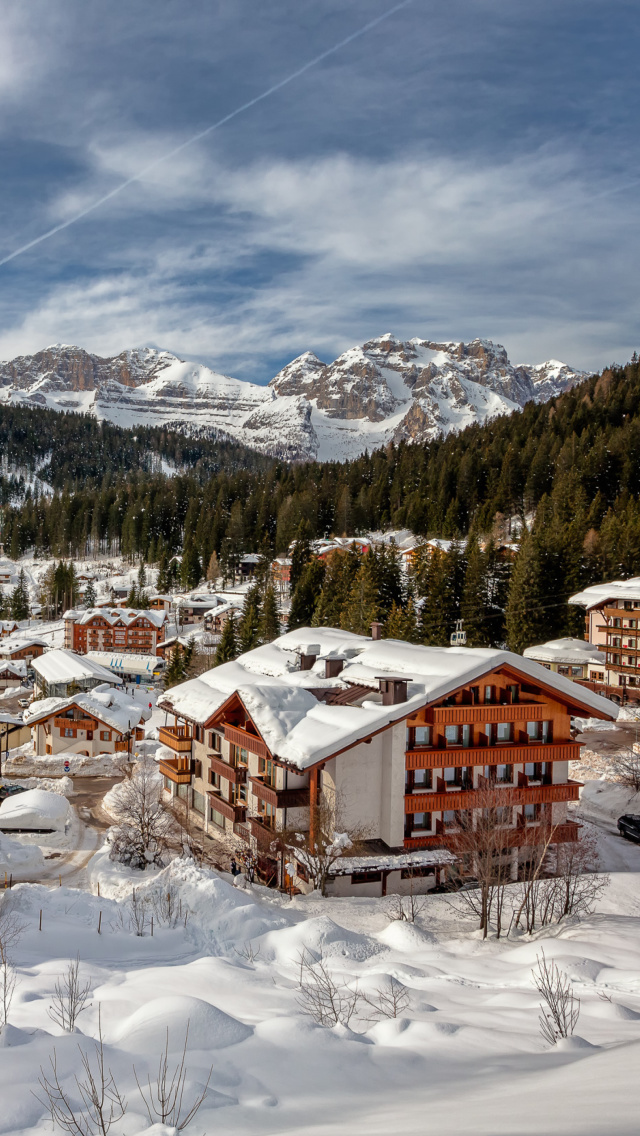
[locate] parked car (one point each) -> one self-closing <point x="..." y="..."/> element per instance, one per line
<point x="24" y="702"/>
<point x="629" y="826"/>
<point x="10" y="791"/>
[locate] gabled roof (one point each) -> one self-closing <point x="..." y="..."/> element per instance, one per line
<point x="109" y="706"/>
<point x="301" y="730"/>
<point x="18" y="642"/>
<point x="599" y="594"/>
<point x="61" y="665"/>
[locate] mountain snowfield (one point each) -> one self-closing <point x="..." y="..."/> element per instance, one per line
<point x="385" y="390"/>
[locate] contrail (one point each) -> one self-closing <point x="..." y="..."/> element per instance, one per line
<point x="208" y="130"/>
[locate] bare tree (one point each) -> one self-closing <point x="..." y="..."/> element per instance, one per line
<point x="406" y="908"/>
<point x="561" y="1010"/>
<point x="164" y="1099"/>
<point x="139" y="912"/>
<point x="328" y="1002"/>
<point x="10" y="931"/>
<point x="626" y="768"/>
<point x="144" y="826"/>
<point x="390" y="1002"/>
<point x="323" y="844"/>
<point x="167" y="906"/>
<point x="535" y="896"/>
<point x="579" y="883"/>
<point x="481" y="844"/>
<point x="103" y="1105"/>
<point x="70" y="997"/>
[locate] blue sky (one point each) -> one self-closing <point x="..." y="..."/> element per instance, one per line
<point x="461" y="169"/>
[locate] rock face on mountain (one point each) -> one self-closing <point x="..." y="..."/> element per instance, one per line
<point x="385" y="390"/>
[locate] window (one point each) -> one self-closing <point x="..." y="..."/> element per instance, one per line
<point x="489" y="693"/>
<point x="416" y="873"/>
<point x="451" y="734"/>
<point x="216" y="817"/>
<point x="504" y="815"/>
<point x="366" y="878"/>
<point x="215" y="742"/>
<point x="420" y="821"/>
<point x="197" y="769"/>
<point x="267" y="814"/>
<point x="214" y="779"/>
<point x="467" y="735"/>
<point x="198" y="802"/>
<point x="422" y="778"/>
<point x="421" y="736"/>
<point x="504" y="731"/>
<point x="546" y="732"/>
<point x="533" y="729"/>
<point x="449" y="818"/>
<point x="89" y="735"/>
<point x="514" y="691"/>
<point x="531" y="812"/>
<point x="488" y="731"/>
<point x="450" y="775"/>
<point x="69" y="733"/>
<point x="105" y="735"/>
<point x="530" y="769"/>
<point x="504" y="773"/>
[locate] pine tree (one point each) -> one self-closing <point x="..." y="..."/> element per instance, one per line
<point x="227" y="648"/>
<point x="175" y="671"/>
<point x="191" y="568"/>
<point x="474" y="605"/>
<point x="402" y="623"/>
<point x="341" y="570"/>
<point x="164" y="574"/>
<point x="438" y="610"/>
<point x="142" y="576"/>
<point x="300" y="554"/>
<point x="249" y="623"/>
<point x="532" y="598"/>
<point x="362" y="606"/>
<point x="269" y="628"/>
<point x="306" y="594"/>
<point x="90" y="595"/>
<point x="20" y="598"/>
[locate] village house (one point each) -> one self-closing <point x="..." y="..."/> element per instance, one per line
<point x="612" y="625"/>
<point x="59" y="673"/>
<point x="98" y="721"/>
<point x="160" y="602"/>
<point x="281" y="574"/>
<point x="193" y="608"/>
<point x="401" y="742"/>
<point x="123" y="630"/>
<point x="12" y="674"/>
<point x="570" y="657"/>
<point x="22" y="646"/>
<point x="7" y="627"/>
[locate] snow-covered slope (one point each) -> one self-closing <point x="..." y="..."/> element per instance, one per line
<point x="384" y="390"/>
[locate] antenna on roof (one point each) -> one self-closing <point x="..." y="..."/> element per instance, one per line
<point x="458" y="637"/>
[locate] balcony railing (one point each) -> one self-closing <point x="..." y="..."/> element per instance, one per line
<point x="75" y="724"/>
<point x="513" y="837"/>
<point x="489" y="712"/>
<point x="177" y="738"/>
<point x="232" y="812"/>
<point x="237" y="775"/>
<point x="264" y="835"/>
<point x="177" y="769"/>
<point x="507" y="753"/>
<point x="280" y="798"/>
<point x="487" y="798"/>
<point x="245" y="740"/>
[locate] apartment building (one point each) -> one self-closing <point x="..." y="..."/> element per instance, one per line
<point x="114" y="629"/>
<point x="612" y="624"/>
<point x="570" y="657"/>
<point x="400" y="742"/>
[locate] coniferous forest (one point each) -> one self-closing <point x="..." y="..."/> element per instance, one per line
<point x="568" y="469"/>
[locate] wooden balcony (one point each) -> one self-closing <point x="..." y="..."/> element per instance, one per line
<point x="280" y="798"/>
<point x="488" y="712"/>
<point x="485" y="798"/>
<point x="243" y="830"/>
<point x="245" y="740"/>
<point x="236" y="813"/>
<point x="177" y="769"/>
<point x="75" y="724"/>
<point x="514" y="837"/>
<point x="509" y="753"/>
<point x="122" y="746"/>
<point x="237" y="775"/>
<point x="177" y="738"/>
<point x="264" y="835"/>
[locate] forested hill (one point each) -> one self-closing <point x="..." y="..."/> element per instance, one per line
<point x="574" y="461"/>
<point x="70" y="450"/>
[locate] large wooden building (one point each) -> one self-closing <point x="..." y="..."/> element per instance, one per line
<point x="612" y="624"/>
<point x="97" y="721"/>
<point x="120" y="630"/>
<point x="401" y="742"/>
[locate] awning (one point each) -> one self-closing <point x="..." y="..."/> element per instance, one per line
<point x="145" y="665"/>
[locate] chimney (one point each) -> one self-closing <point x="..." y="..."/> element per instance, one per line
<point x="393" y="690"/>
<point x="333" y="667"/>
<point x="376" y="631"/>
<point x="308" y="656"/>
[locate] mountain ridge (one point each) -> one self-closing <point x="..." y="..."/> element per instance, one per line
<point x="383" y="390"/>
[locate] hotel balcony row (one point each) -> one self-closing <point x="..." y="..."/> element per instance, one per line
<point x="513" y="753"/>
<point x="517" y="837"/>
<point x="486" y="797"/>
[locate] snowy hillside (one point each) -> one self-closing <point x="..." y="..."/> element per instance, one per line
<point x="385" y="390"/>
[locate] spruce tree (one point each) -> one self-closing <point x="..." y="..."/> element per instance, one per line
<point x="20" y="598"/>
<point x="227" y="648"/>
<point x="301" y="554"/>
<point x="474" y="606"/>
<point x="249" y="623"/>
<point x="191" y="568"/>
<point x="402" y="623"/>
<point x="341" y="570"/>
<point x="90" y="595"/>
<point x="306" y="594"/>
<point x="532" y="599"/>
<point x="362" y="606"/>
<point x="269" y="616"/>
<point x="438" y="610"/>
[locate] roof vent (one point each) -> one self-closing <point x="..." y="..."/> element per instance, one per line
<point x="393" y="690"/>
<point x="376" y="631"/>
<point x="333" y="667"/>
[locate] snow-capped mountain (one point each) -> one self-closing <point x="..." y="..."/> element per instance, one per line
<point x="385" y="390"/>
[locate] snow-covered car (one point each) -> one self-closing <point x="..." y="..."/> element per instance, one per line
<point x="10" y="790"/>
<point x="629" y="826"/>
<point x="36" y="810"/>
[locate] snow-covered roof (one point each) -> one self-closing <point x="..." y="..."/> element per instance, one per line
<point x="103" y="702"/>
<point x="301" y="730"/>
<point x="115" y="615"/>
<point x="575" y="651"/>
<point x="61" y="665"/>
<point x="112" y="663"/>
<point x="19" y="641"/>
<point x="392" y="862"/>
<point x="17" y="667"/>
<point x="599" y="594"/>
